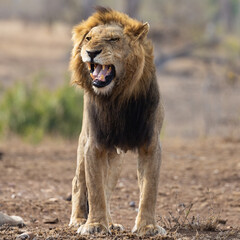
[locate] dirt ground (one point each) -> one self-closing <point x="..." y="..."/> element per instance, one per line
<point x="199" y="192"/>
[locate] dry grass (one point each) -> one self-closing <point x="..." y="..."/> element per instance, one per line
<point x="183" y="219"/>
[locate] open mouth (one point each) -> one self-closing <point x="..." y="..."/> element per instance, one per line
<point x="102" y="75"/>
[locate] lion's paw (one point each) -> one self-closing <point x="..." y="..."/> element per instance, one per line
<point x="149" y="230"/>
<point x="91" y="228"/>
<point x="76" y="222"/>
<point x="116" y="227"/>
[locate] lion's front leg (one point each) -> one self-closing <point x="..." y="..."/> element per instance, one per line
<point x="79" y="190"/>
<point x="148" y="175"/>
<point x="114" y="169"/>
<point x="95" y="173"/>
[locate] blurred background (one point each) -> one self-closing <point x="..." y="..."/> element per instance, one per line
<point x="197" y="54"/>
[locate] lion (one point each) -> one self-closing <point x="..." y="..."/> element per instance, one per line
<point x="112" y="60"/>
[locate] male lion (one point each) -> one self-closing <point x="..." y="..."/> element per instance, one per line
<point x="112" y="60"/>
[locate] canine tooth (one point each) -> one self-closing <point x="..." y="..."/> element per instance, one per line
<point x="102" y="77"/>
<point x="89" y="66"/>
<point x="91" y="75"/>
<point x="103" y="67"/>
<point x="109" y="70"/>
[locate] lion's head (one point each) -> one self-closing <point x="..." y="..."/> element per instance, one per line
<point x="112" y="54"/>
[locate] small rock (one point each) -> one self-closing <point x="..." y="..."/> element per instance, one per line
<point x="132" y="204"/>
<point x="50" y="238"/>
<point x="25" y="235"/>
<point x="51" y="220"/>
<point x="69" y="198"/>
<point x="52" y="200"/>
<point x="11" y="220"/>
<point x="120" y="185"/>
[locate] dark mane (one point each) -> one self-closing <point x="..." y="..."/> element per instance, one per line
<point x="103" y="10"/>
<point x="128" y="125"/>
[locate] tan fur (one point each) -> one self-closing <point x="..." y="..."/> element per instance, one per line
<point x="98" y="168"/>
<point x="134" y="41"/>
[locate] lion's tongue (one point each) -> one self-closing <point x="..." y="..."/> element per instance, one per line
<point x="97" y="70"/>
<point x="99" y="73"/>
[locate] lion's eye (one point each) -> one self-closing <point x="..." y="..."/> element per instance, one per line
<point x="88" y="38"/>
<point x="114" y="39"/>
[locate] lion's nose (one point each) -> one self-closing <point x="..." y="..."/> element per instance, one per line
<point x="93" y="54"/>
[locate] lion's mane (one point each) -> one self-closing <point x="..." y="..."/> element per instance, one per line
<point x="131" y="107"/>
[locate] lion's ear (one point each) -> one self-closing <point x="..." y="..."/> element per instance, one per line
<point x="142" y="31"/>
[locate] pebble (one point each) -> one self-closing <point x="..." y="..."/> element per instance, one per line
<point x="120" y="185"/>
<point x="50" y="238"/>
<point x="69" y="198"/>
<point x="11" y="220"/>
<point x="51" y="220"/>
<point x="52" y="200"/>
<point x="25" y="235"/>
<point x="132" y="204"/>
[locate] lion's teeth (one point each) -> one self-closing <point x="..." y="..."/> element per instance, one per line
<point x="89" y="66"/>
<point x="91" y="75"/>
<point x="103" y="67"/>
<point x="102" y="77"/>
<point x="109" y="70"/>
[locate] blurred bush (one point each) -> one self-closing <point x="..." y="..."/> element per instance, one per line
<point x="232" y="46"/>
<point x="32" y="112"/>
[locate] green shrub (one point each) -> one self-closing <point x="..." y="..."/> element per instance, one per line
<point x="32" y="111"/>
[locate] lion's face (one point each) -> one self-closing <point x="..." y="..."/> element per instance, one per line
<point x="111" y="55"/>
<point x="103" y="50"/>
